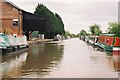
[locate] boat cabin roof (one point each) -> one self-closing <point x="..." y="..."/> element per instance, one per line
<point x="107" y="34"/>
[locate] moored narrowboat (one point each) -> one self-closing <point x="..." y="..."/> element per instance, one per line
<point x="108" y="42"/>
<point x="5" y="46"/>
<point x="92" y="40"/>
<point x="18" y="42"/>
<point x="10" y="44"/>
<point x="116" y="47"/>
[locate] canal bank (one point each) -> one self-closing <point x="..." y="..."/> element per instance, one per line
<point x="35" y="40"/>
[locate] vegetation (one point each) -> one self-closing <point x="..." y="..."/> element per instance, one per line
<point x="67" y="33"/>
<point x="82" y="33"/>
<point x="95" y="29"/>
<point x="57" y="25"/>
<point x="114" y="28"/>
<point x="55" y="21"/>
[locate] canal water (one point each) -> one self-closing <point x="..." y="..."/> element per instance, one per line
<point x="71" y="58"/>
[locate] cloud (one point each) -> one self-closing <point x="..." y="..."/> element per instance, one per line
<point x="78" y="14"/>
<point x="66" y="1"/>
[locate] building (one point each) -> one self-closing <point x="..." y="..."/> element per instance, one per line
<point x="33" y="24"/>
<point x="10" y="18"/>
<point x="14" y="20"/>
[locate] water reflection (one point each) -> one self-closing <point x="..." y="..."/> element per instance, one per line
<point x="116" y="61"/>
<point x="70" y="59"/>
<point x="42" y="59"/>
<point x="11" y="65"/>
<point x="111" y="58"/>
<point x="101" y="57"/>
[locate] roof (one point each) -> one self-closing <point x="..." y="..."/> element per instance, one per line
<point x="32" y="14"/>
<point x="11" y="3"/>
<point x="107" y="34"/>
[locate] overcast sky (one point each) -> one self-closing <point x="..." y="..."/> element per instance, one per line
<point x="77" y="14"/>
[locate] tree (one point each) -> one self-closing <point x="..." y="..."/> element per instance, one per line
<point x="59" y="24"/>
<point x="55" y="21"/>
<point x="95" y="29"/>
<point x="83" y="33"/>
<point x="114" y="28"/>
<point x="67" y="33"/>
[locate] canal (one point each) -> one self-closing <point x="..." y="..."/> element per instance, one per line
<point x="71" y="58"/>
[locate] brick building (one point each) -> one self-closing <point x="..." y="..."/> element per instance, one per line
<point x="10" y="18"/>
<point x="14" y="20"/>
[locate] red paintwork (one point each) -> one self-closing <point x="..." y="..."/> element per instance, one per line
<point x="117" y="42"/>
<point x="109" y="40"/>
<point x="101" y="39"/>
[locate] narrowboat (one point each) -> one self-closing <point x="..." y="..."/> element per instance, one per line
<point x="5" y="46"/>
<point x="108" y="41"/>
<point x="10" y="44"/>
<point x="92" y="40"/>
<point x="18" y="42"/>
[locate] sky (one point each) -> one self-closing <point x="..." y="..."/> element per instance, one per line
<point x="77" y="14"/>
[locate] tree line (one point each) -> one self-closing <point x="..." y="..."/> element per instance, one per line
<point x="57" y="26"/>
<point x="114" y="28"/>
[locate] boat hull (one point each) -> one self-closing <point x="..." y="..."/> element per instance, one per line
<point x="116" y="50"/>
<point x="7" y="50"/>
<point x="105" y="47"/>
